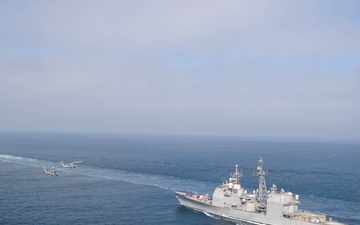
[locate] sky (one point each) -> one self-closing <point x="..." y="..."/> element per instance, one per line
<point x="272" y="69"/>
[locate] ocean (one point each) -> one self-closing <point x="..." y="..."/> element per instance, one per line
<point x="130" y="179"/>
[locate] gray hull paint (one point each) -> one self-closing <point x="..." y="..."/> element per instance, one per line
<point x="238" y="216"/>
<point x="223" y="213"/>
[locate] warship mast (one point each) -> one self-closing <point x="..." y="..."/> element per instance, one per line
<point x="236" y="175"/>
<point x="262" y="193"/>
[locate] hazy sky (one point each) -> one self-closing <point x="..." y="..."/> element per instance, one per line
<point x="241" y="68"/>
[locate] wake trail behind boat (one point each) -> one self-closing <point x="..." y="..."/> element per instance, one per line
<point x="27" y="161"/>
<point x="160" y="181"/>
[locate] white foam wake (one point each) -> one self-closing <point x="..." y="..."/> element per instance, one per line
<point x="12" y="158"/>
<point x="160" y="181"/>
<point x="27" y="161"/>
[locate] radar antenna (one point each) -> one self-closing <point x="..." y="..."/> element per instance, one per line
<point x="262" y="194"/>
<point x="235" y="177"/>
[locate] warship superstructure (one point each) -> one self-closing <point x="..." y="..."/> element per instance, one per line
<point x="231" y="202"/>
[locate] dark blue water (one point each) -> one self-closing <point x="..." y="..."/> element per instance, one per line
<point x="129" y="179"/>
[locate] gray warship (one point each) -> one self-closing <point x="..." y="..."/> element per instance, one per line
<point x="262" y="207"/>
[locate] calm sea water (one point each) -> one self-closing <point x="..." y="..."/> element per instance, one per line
<point x="130" y="179"/>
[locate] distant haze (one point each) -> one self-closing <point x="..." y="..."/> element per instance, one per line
<point x="240" y="68"/>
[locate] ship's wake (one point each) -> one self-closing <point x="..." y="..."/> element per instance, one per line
<point x="212" y="216"/>
<point x="27" y="161"/>
<point x="160" y="181"/>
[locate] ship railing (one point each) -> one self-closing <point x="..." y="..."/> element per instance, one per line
<point x="313" y="213"/>
<point x="199" y="198"/>
<point x="307" y="216"/>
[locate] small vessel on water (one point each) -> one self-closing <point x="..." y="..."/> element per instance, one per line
<point x="232" y="203"/>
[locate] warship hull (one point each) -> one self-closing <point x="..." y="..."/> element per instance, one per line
<point x="241" y="217"/>
<point x="231" y="202"/>
<point x="214" y="211"/>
